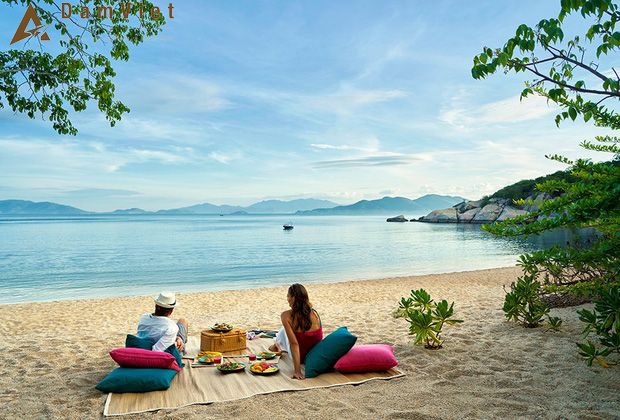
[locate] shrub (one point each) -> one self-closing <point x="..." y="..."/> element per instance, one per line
<point x="426" y="317"/>
<point x="554" y="323"/>
<point x="523" y="304"/>
<point x="604" y="321"/>
<point x="527" y="187"/>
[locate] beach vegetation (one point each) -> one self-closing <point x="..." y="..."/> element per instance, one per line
<point x="77" y="71"/>
<point x="573" y="78"/>
<point x="523" y="303"/>
<point x="427" y="318"/>
<point x="555" y="323"/>
<point x="527" y="187"/>
<point x="603" y="322"/>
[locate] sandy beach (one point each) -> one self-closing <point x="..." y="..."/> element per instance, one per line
<point x="56" y="352"/>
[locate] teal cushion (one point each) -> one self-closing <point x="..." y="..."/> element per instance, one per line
<point x="324" y="355"/>
<point x="147" y="344"/>
<point x="136" y="380"/>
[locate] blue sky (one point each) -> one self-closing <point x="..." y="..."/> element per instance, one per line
<point x="238" y="101"/>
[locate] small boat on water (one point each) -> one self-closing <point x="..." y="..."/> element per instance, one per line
<point x="288" y="226"/>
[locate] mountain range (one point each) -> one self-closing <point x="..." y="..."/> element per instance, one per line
<point x="44" y="208"/>
<point x="305" y="206"/>
<point x="262" y="207"/>
<point x="389" y="205"/>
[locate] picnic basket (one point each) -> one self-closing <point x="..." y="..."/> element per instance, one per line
<point x="233" y="340"/>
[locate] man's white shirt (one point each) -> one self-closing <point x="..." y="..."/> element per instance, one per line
<point x="161" y="329"/>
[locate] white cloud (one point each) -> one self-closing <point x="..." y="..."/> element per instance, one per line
<point x="463" y="114"/>
<point x="348" y="100"/>
<point x="379" y="160"/>
<point x="331" y="146"/>
<point x="325" y="146"/>
<point x="220" y="157"/>
<point x="68" y="156"/>
<point x="174" y="94"/>
<point x="156" y="155"/>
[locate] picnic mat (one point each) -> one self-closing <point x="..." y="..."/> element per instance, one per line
<point x="206" y="385"/>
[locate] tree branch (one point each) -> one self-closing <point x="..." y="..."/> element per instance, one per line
<point x="566" y="85"/>
<point x="561" y="55"/>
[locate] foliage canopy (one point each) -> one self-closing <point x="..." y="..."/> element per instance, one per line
<point x="567" y="73"/>
<point x="38" y="82"/>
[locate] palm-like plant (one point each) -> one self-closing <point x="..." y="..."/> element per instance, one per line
<point x="604" y="321"/>
<point x="427" y="318"/>
<point x="523" y="304"/>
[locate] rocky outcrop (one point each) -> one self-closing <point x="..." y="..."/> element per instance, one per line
<point x="488" y="213"/>
<point x="538" y="200"/>
<point x="495" y="209"/>
<point x="468" y="216"/>
<point x="441" y="216"/>
<point x="509" y="213"/>
<point x="398" y="219"/>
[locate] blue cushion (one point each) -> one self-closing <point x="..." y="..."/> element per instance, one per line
<point x="136" y="380"/>
<point x="324" y="355"/>
<point x="147" y="344"/>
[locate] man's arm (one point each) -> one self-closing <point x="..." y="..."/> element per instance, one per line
<point x="169" y="338"/>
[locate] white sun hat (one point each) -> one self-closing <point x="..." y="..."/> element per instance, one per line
<point x="166" y="300"/>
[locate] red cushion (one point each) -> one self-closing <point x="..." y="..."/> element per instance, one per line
<point x="367" y="358"/>
<point x="140" y="358"/>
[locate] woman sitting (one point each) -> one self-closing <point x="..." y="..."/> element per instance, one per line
<point x="301" y="328"/>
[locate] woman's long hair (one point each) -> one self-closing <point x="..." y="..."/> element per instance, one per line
<point x="301" y="309"/>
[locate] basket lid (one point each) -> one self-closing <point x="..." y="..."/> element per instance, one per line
<point x="233" y="332"/>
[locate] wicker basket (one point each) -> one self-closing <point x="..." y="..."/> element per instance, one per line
<point x="223" y="342"/>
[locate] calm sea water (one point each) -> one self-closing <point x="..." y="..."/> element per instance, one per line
<point x="79" y="257"/>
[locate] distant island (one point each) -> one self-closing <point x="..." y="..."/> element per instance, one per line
<point x="304" y="206"/>
<point x="130" y="211"/>
<point x="262" y="207"/>
<point x="389" y="205"/>
<point x="44" y="208"/>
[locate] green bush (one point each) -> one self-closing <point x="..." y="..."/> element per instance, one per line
<point x="527" y="187"/>
<point x="554" y="323"/>
<point x="426" y="317"/>
<point x="523" y="304"/>
<point x="604" y="321"/>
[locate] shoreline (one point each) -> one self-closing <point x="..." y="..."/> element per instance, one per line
<point x="250" y="287"/>
<point x="56" y="352"/>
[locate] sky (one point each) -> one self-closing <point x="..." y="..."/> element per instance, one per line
<point x="240" y="101"/>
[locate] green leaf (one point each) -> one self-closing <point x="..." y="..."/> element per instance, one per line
<point x="573" y="113"/>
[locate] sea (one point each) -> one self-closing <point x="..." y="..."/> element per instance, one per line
<point x="59" y="258"/>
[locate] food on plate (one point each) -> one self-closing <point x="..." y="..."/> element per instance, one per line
<point x="231" y="367"/>
<point x="208" y="357"/>
<point x="263" y="368"/>
<point x="265" y="355"/>
<point x="222" y="327"/>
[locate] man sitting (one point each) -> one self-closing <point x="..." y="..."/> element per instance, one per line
<point x="159" y="328"/>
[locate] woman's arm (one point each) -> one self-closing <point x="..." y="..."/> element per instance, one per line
<point x="294" y="345"/>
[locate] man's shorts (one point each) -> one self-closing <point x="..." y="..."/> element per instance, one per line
<point x="182" y="332"/>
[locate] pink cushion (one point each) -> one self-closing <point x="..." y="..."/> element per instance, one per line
<point x="140" y="358"/>
<point x="367" y="358"/>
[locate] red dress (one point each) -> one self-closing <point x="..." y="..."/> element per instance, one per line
<point x="308" y="339"/>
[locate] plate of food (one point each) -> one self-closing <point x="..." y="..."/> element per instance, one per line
<point x="222" y="328"/>
<point x="265" y="355"/>
<point x="208" y="357"/>
<point x="264" y="368"/>
<point x="230" y="367"/>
